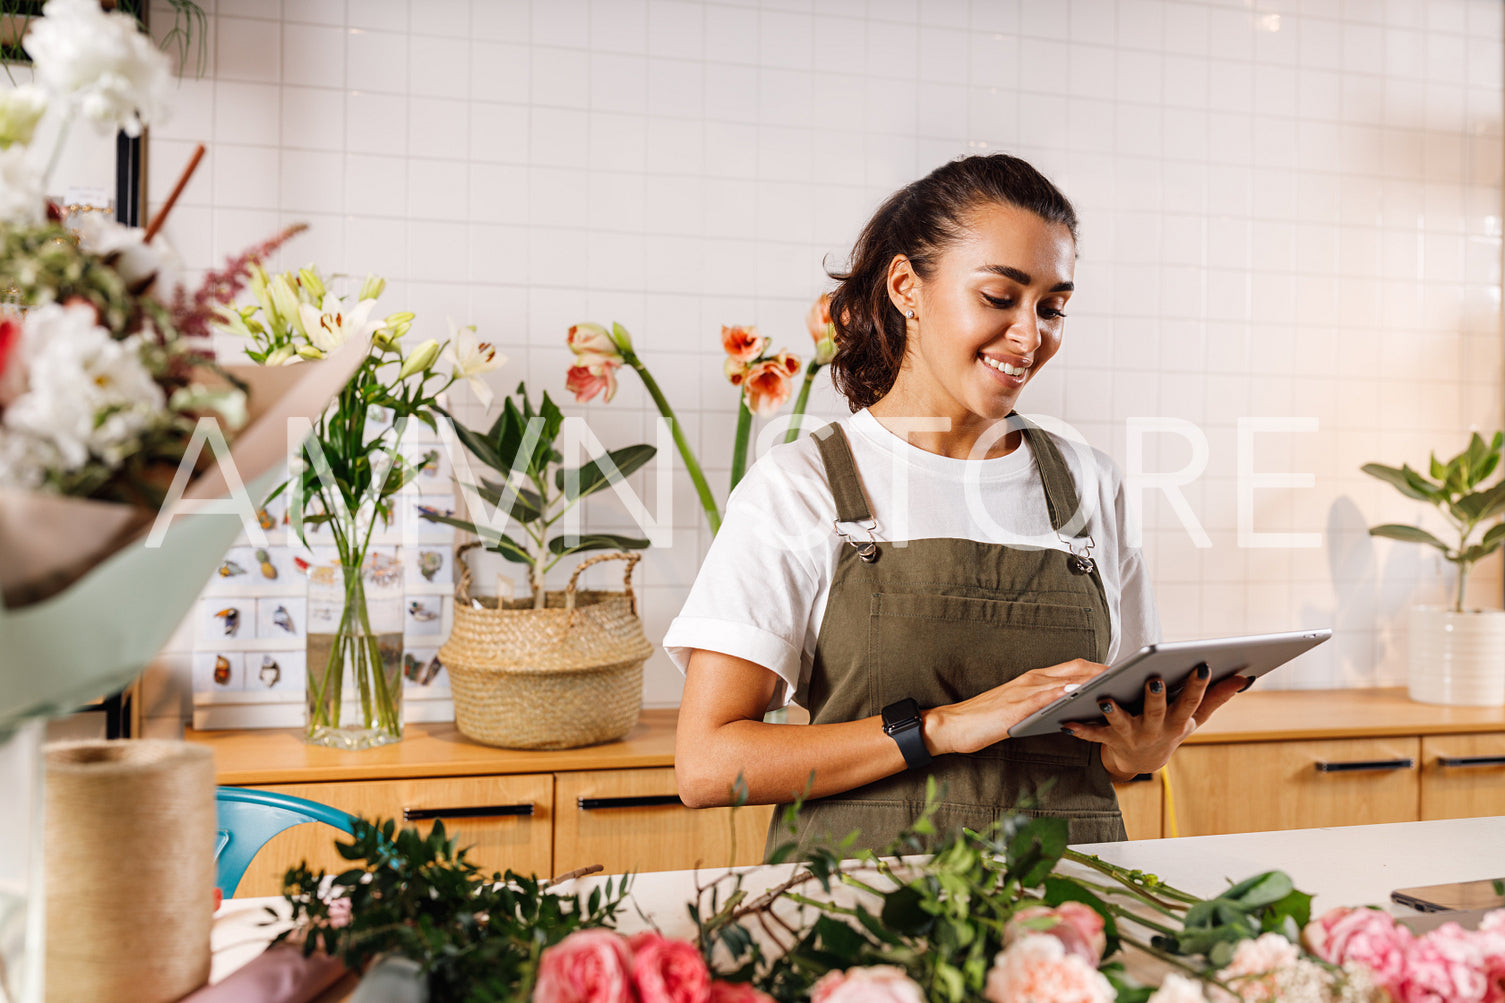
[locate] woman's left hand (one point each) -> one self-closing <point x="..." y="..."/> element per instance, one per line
<point x="1143" y="743"/>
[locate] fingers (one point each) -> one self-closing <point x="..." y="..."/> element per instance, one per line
<point x="1191" y="696"/>
<point x="1153" y="714"/>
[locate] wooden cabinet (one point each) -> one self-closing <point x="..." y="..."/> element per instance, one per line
<point x="1462" y="776"/>
<point x="632" y="820"/>
<point x="1140" y="802"/>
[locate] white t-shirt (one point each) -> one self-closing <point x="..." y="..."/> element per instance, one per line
<point x="761" y="592"/>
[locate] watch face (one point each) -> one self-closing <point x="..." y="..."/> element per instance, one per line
<point x="902" y="712"/>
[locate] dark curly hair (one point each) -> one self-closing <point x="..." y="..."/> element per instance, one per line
<point x="919" y="221"/>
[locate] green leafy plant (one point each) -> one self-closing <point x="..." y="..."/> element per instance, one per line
<point x="534" y="490"/>
<point x="1456" y="489"/>
<point x="476" y="937"/>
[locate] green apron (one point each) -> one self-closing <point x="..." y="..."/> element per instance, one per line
<point x="942" y="620"/>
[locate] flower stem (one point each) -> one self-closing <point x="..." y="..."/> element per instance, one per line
<point x="703" y="489"/>
<point x="801" y="401"/>
<point x="739" y="446"/>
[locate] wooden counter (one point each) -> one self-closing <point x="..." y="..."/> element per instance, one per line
<point x="1286" y="715"/>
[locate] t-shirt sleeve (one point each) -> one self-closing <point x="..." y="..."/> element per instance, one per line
<point x="757" y="589"/>
<point x="1138" y="616"/>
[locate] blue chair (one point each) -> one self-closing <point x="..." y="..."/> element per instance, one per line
<point x="249" y="818"/>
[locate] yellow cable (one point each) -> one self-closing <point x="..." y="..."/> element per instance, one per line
<point x="1170" y="800"/>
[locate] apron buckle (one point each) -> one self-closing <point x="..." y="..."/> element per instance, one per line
<point x="867" y="550"/>
<point x="1079" y="562"/>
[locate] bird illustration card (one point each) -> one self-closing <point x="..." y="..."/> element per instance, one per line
<point x="218" y="671"/>
<point x="281" y="618"/>
<point x="282" y="671"/>
<point x="423" y="672"/>
<point x="428" y="568"/>
<point x="425" y="616"/>
<point x="225" y="621"/>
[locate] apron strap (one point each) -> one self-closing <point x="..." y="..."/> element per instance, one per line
<point x="841" y="471"/>
<point x="1060" y="491"/>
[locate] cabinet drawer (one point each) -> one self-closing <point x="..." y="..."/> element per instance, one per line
<point x="521" y="842"/>
<point x="1259" y="786"/>
<point x="1463" y="776"/>
<point x="632" y="820"/>
<point x="1140" y="802"/>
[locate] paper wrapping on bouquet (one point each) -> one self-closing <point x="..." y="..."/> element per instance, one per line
<point x="112" y="599"/>
<point x="280" y="974"/>
<point x="568" y="675"/>
<point x="130" y="870"/>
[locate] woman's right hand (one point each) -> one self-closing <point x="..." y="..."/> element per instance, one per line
<point x="984" y="720"/>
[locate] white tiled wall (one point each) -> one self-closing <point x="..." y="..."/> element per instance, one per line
<point x="1290" y="208"/>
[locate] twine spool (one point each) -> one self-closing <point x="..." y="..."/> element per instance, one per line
<point x="130" y="870"/>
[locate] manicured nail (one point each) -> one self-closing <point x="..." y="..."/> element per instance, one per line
<point x="1106" y="706"/>
<point x="1247" y="684"/>
<point x="1156" y="686"/>
<point x="1203" y="671"/>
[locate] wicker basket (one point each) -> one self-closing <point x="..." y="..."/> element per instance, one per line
<point x="567" y="675"/>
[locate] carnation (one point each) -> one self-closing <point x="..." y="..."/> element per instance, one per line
<point x="102" y="64"/>
<point x="1367" y="937"/>
<point x="1445" y="966"/>
<point x="1178" y="989"/>
<point x="1038" y="969"/>
<point x="1257" y="967"/>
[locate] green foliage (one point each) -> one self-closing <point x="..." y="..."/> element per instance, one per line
<point x="477" y="937"/>
<point x="1456" y="489"/>
<point x="534" y="490"/>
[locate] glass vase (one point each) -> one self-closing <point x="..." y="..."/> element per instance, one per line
<point x="354" y="694"/>
<point x="22" y="890"/>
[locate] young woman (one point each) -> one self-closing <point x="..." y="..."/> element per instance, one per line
<point x="933" y="569"/>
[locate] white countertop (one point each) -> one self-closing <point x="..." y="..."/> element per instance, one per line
<point x="1355" y="865"/>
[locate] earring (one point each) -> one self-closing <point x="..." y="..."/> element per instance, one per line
<point x="909" y="314"/>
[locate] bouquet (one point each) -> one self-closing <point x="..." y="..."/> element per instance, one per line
<point x="350" y="470"/>
<point x="761" y="376"/>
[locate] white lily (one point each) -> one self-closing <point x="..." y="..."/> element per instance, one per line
<point x="471" y="357"/>
<point x="333" y="323"/>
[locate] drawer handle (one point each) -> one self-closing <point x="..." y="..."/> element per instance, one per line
<point x="641" y="801"/>
<point x="1471" y="760"/>
<point x="1368" y="765"/>
<point x="472" y="811"/>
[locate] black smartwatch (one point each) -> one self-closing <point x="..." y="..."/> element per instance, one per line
<point x="901" y="722"/>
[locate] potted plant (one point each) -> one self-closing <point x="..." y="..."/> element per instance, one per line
<point x="1457" y="655"/>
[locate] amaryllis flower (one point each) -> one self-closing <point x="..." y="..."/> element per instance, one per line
<point x="822" y="331"/>
<point x="103" y="64"/>
<point x="331" y="324"/>
<point x="592" y="344"/>
<point x="471" y="357"/>
<point x="735" y="371"/>
<point x="742" y="343"/>
<point x="589" y="378"/>
<point x="767" y="386"/>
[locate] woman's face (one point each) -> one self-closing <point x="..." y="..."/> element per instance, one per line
<point x="988" y="317"/>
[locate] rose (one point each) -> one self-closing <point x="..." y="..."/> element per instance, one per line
<point x="588" y="966"/>
<point x="1078" y="927"/>
<point x="766" y="384"/>
<point x="1366" y="936"/>
<point x="1039" y="969"/>
<point x="737" y="992"/>
<point x="873" y="984"/>
<point x="668" y="971"/>
<point x="743" y="344"/>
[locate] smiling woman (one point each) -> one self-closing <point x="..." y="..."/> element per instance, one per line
<point x="930" y="571"/>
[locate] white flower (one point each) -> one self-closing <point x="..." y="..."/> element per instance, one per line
<point x="22" y="202"/>
<point x="102" y="64"/>
<point x="20" y="109"/>
<point x="1178" y="989"/>
<point x="126" y="252"/>
<point x="332" y="324"/>
<point x="471" y="357"/>
<point x="87" y="395"/>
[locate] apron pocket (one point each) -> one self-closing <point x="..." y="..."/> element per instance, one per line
<point x="940" y="649"/>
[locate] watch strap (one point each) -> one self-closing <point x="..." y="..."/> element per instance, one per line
<point x="902" y="723"/>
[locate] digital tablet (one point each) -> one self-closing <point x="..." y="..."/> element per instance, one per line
<point x="1174" y="662"/>
<point x="1463" y="896"/>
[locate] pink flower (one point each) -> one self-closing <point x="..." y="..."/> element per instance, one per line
<point x="1038" y="969"/>
<point x="1178" y="989"/>
<point x="1367" y="937"/>
<point x="592" y="342"/>
<point x="1492" y="946"/>
<point x="668" y="971"/>
<point x="873" y="984"/>
<point x="585" y="381"/>
<point x="1254" y="973"/>
<point x="1445" y="966"/>
<point x="588" y="966"/>
<point x="737" y="992"/>
<point x="1078" y="927"/>
<point x="742" y="343"/>
<point x="339" y="912"/>
<point x="12" y="382"/>
<point x="767" y="386"/>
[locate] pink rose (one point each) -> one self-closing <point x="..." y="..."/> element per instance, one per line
<point x="1367" y="937"/>
<point x="1038" y="969"/>
<point x="668" y="971"/>
<point x="588" y="966"/>
<point x="1078" y="927"/>
<point x="737" y="992"/>
<point x="873" y="984"/>
<point x="1445" y="966"/>
<point x="742" y="343"/>
<point x="767" y="386"/>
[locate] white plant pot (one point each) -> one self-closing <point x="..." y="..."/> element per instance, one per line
<point x="1457" y="658"/>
